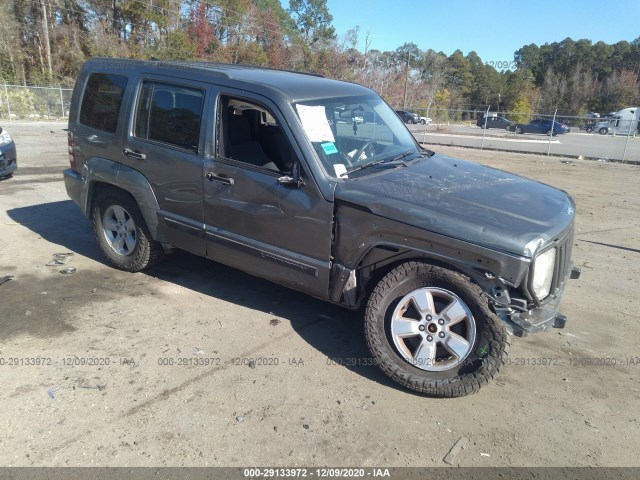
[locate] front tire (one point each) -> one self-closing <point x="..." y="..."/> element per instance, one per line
<point x="431" y="330"/>
<point x="122" y="234"/>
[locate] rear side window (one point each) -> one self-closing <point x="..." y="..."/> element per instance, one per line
<point x="101" y="102"/>
<point x="169" y="114"/>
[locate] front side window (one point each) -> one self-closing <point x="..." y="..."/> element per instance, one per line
<point x="349" y="133"/>
<point x="102" y="100"/>
<point x="250" y="133"/>
<point x="169" y="114"/>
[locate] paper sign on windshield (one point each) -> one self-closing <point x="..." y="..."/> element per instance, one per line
<point x="340" y="169"/>
<point x="315" y="123"/>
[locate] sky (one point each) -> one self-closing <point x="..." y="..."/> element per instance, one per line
<point x="494" y="29"/>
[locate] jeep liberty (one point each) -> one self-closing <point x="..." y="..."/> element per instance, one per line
<point x="276" y="173"/>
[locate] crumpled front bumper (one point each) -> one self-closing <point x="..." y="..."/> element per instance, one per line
<point x="540" y="319"/>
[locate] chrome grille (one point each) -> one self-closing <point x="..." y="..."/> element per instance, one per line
<point x="563" y="262"/>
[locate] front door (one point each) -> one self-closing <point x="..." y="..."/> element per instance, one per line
<point x="254" y="219"/>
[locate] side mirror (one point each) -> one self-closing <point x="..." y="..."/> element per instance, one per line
<point x="288" y="180"/>
<point x="294" y="179"/>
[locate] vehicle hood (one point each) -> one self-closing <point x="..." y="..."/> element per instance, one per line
<point x="467" y="201"/>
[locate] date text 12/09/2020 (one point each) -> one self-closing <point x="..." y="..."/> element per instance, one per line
<point x="324" y="472"/>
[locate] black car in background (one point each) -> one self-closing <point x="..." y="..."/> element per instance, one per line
<point x="494" y="122"/>
<point x="541" y="125"/>
<point x="408" y="117"/>
<point x="8" y="163"/>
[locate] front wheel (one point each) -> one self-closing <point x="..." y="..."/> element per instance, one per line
<point x="519" y="130"/>
<point x="431" y="330"/>
<point x="122" y="234"/>
<point x="423" y="122"/>
<point x="550" y="133"/>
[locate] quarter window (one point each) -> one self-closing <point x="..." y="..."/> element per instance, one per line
<point x="169" y="114"/>
<point x="102" y="100"/>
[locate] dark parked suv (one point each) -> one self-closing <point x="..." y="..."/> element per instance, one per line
<point x="268" y="171"/>
<point x="408" y="117"/>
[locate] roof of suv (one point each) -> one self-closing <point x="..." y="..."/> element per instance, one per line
<point x="293" y="86"/>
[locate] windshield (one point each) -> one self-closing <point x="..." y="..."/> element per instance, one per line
<point x="352" y="132"/>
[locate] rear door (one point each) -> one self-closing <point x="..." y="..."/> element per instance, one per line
<point x="165" y="142"/>
<point x="254" y="222"/>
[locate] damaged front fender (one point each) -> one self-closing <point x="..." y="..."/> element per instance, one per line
<point x="366" y="243"/>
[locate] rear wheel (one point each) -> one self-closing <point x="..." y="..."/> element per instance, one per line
<point x="431" y="330"/>
<point x="519" y="130"/>
<point x="423" y="122"/>
<point x="122" y="234"/>
<point x="603" y="131"/>
<point x="410" y="121"/>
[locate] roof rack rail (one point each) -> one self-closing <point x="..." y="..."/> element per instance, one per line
<point x="239" y="65"/>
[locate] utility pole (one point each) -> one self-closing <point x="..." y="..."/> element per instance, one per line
<point x="45" y="27"/>
<point x="406" y="79"/>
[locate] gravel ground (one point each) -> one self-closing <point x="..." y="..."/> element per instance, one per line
<point x="259" y="386"/>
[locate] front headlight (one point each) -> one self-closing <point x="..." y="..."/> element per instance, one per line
<point x="5" y="138"/>
<point x="543" y="273"/>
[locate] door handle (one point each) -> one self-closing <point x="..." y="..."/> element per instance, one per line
<point x="138" y="155"/>
<point x="215" y="178"/>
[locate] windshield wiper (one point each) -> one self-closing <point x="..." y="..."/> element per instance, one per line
<point x="426" y="153"/>
<point x="390" y="160"/>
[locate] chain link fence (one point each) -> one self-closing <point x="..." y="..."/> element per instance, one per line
<point x="608" y="137"/>
<point x="611" y="137"/>
<point x="19" y="102"/>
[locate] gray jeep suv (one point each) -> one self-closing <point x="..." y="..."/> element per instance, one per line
<point x="272" y="173"/>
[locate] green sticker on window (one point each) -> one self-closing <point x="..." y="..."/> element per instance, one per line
<point x="329" y="148"/>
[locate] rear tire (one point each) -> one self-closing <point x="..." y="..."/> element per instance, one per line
<point x="450" y="364"/>
<point x="603" y="131"/>
<point x="122" y="234"/>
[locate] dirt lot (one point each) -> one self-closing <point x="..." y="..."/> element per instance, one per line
<point x="136" y="409"/>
